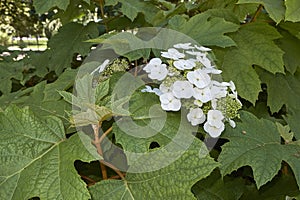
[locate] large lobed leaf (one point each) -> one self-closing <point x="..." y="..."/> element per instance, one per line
<point x="36" y="158"/>
<point x="43" y="99"/>
<point x="8" y="71"/>
<point x="279" y="10"/>
<point x="63" y="45"/>
<point x="289" y="90"/>
<point x="145" y="127"/>
<point x="131" y="9"/>
<point x="292" y="10"/>
<point x="205" y="29"/>
<point x="275" y="8"/>
<point x="290" y="45"/>
<point x="171" y="182"/>
<point x="255" y="46"/>
<point x="232" y="8"/>
<point x="289" y="96"/>
<point x="149" y="124"/>
<point x="257" y="143"/>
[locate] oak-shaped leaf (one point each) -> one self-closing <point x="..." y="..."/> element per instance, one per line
<point x="8" y="71"/>
<point x="257" y="143"/>
<point x="292" y="10"/>
<point x="148" y="124"/>
<point x="275" y="8"/>
<point x="170" y="182"/>
<point x="255" y="46"/>
<point x="63" y="45"/>
<point x="288" y="87"/>
<point x="210" y="30"/>
<point x="37" y="160"/>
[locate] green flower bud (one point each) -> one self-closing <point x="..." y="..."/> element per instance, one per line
<point x="229" y="107"/>
<point x="206" y="107"/>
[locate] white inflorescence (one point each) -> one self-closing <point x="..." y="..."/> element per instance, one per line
<point x="187" y="80"/>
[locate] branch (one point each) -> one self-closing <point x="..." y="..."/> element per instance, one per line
<point x="99" y="150"/>
<point x="260" y="7"/>
<point x="101" y="2"/>
<point x="97" y="143"/>
<point x="104" y="135"/>
<point x="114" y="168"/>
<point x="88" y="179"/>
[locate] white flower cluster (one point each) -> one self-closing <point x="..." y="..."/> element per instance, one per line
<point x="188" y="80"/>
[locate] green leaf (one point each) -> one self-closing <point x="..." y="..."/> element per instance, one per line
<point x="215" y="188"/>
<point x="63" y="44"/>
<point x="165" y="183"/>
<point x="275" y="8"/>
<point x="292" y="10"/>
<point x="102" y="90"/>
<point x="92" y="115"/>
<point x="34" y="97"/>
<point x="238" y="10"/>
<point x="131" y="8"/>
<point x="277" y="189"/>
<point x="85" y="93"/>
<point x="292" y="119"/>
<point x="224" y="13"/>
<point x="285" y="132"/>
<point x="9" y="70"/>
<point x="64" y="82"/>
<point x="289" y="88"/>
<point x="42" y="6"/>
<point x="292" y="28"/>
<point x="73" y="11"/>
<point x="210" y="30"/>
<point x="255" y="46"/>
<point x="257" y="143"/>
<point x="148" y="123"/>
<point x="36" y="158"/>
<point x="289" y="44"/>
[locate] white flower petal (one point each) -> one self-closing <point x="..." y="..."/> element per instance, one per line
<point x="183" y="46"/>
<point x="101" y="67"/>
<point x="214" y="103"/>
<point x="196" y="116"/>
<point x="222" y="84"/>
<point x="232" y="123"/>
<point x="184" y="64"/>
<point x="172" y="54"/>
<point x="215" y="117"/>
<point x="213" y="131"/>
<point x="165" y="89"/>
<point x="159" y="73"/>
<point x="153" y="64"/>
<point x="202" y="48"/>
<point x="147" y="89"/>
<point x="199" y="78"/>
<point x="169" y="102"/>
<point x="198" y="103"/>
<point x="150" y="90"/>
<point x="182" y="89"/>
<point x="232" y="86"/>
<point x="212" y="71"/>
<point x="205" y="61"/>
<point x="204" y="95"/>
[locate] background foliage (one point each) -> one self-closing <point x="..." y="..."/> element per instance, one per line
<point x="257" y="45"/>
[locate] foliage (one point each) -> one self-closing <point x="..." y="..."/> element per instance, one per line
<point x="18" y="17"/>
<point x="59" y="145"/>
